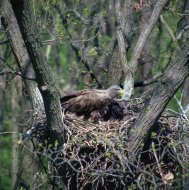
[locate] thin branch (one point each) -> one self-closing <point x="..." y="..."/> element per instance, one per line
<point x="168" y="28"/>
<point x="14" y="72"/>
<point x="85" y="61"/>
<point x="4" y="42"/>
<point x="158" y="164"/>
<point x="81" y="56"/>
<point x="149" y="81"/>
<point x="7" y="132"/>
<point x="82" y="19"/>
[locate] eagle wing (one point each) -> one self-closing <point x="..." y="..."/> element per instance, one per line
<point x="71" y="95"/>
<point x="85" y="101"/>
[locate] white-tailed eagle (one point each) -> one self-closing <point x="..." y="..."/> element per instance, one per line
<point x="90" y="102"/>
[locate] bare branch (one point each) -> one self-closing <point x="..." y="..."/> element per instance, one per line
<point x="168" y="28"/>
<point x="149" y="81"/>
<point x="79" y="16"/>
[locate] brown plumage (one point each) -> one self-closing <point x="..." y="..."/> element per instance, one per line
<point x="89" y="102"/>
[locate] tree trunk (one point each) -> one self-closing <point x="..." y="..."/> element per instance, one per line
<point x="20" y="53"/>
<point x="161" y="94"/>
<point x="184" y="35"/>
<point x="44" y="78"/>
<point x="15" y="108"/>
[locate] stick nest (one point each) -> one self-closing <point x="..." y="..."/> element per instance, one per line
<point x="95" y="155"/>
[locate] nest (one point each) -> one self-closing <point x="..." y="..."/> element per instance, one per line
<point x="95" y="155"/>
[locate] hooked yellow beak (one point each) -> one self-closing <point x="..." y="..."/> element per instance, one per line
<point x="121" y="93"/>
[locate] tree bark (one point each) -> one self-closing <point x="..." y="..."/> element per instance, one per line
<point x="161" y="94"/>
<point x="35" y="100"/>
<point x="20" y="53"/>
<point x="15" y="108"/>
<point x="44" y="78"/>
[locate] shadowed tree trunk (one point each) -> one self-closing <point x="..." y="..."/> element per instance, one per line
<point x="44" y="78"/>
<point x="183" y="34"/>
<point x="19" y="50"/>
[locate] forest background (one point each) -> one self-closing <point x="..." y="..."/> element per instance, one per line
<point x="87" y="44"/>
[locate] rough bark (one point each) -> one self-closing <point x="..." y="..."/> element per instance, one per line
<point x="161" y="94"/>
<point x="44" y="78"/>
<point x="20" y="53"/>
<point x="2" y="87"/>
<point x="15" y="108"/>
<point x="115" y="69"/>
<point x="183" y="34"/>
<point x="35" y="100"/>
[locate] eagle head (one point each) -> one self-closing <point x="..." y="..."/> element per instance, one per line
<point x="114" y="91"/>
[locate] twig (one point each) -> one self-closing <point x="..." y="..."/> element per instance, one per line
<point x="14" y="72"/>
<point x="168" y="28"/>
<point x="148" y="82"/>
<point x="84" y="60"/>
<point x="82" y="19"/>
<point x="8" y="132"/>
<point x="159" y="167"/>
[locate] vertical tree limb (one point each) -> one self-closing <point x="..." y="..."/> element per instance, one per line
<point x="131" y="69"/>
<point x="120" y="37"/>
